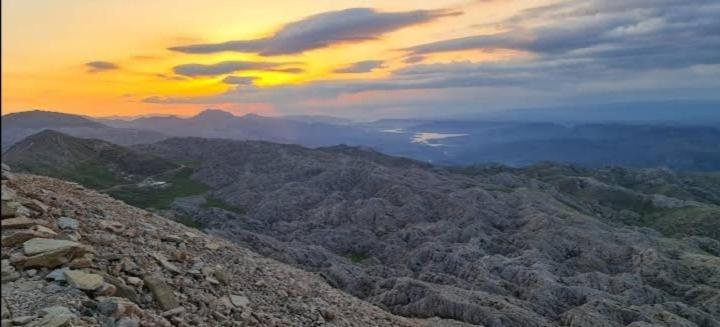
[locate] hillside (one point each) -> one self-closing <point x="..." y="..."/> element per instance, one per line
<point x="677" y="204"/>
<point x="498" y="247"/>
<point x="72" y="256"/>
<point x="17" y="126"/>
<point x="94" y="163"/>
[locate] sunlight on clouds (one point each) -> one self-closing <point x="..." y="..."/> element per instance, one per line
<point x="46" y="44"/>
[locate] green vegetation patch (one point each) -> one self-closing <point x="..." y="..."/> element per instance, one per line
<point x="86" y="173"/>
<point x="357" y="257"/>
<point x="686" y="221"/>
<point x="93" y="176"/>
<point x="220" y="204"/>
<point x="180" y="185"/>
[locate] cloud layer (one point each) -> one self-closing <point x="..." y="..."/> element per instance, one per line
<point x="641" y="34"/>
<point x="239" y="80"/>
<point x="323" y="30"/>
<point x="100" y="66"/>
<point x="227" y="67"/>
<point x="360" y="67"/>
<point x="575" y="52"/>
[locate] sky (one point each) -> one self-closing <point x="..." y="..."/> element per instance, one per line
<point x="357" y="59"/>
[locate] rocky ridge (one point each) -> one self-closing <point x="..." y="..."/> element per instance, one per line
<point x="497" y="248"/>
<point x="75" y="257"/>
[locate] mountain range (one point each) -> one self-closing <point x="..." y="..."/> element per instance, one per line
<point x="17" y="126"/>
<point x="444" y="142"/>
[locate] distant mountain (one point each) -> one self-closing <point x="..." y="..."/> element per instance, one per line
<point x="91" y="162"/>
<point x="220" y="124"/>
<point x="319" y="119"/>
<point x="444" y="142"/>
<point x="17" y="126"/>
<point x="677" y="112"/>
<point x="525" y="143"/>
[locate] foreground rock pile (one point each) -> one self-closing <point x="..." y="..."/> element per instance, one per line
<point x="74" y="257"/>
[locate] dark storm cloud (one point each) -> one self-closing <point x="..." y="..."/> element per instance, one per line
<point x="100" y="66"/>
<point x="323" y="30"/>
<point x="643" y="34"/>
<point x="360" y="67"/>
<point x="226" y="67"/>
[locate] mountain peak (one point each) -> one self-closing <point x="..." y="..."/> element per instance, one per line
<point x="213" y="114"/>
<point x="41" y="118"/>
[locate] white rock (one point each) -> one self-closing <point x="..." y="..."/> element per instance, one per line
<point x="239" y="301"/>
<point x="40" y="245"/>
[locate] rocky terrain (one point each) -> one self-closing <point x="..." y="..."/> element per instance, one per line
<point x="75" y="257"/>
<point x="495" y="248"/>
<point x="678" y="204"/>
<point x="546" y="245"/>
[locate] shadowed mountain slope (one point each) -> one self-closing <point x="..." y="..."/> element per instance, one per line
<point x="92" y="162"/>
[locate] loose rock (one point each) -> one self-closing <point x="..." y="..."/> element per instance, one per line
<point x="82" y="280"/>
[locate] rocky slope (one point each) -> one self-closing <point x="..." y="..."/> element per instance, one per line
<point x="74" y="257"/>
<point x="493" y="248"/>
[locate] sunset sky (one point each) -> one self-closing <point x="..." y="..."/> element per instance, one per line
<point x="360" y="59"/>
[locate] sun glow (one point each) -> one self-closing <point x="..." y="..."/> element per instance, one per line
<point x="46" y="44"/>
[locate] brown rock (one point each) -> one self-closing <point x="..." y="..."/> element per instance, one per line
<point x="113" y="226"/>
<point x="106" y="289"/>
<point x="9" y="209"/>
<point x="161" y="292"/>
<point x="117" y="307"/>
<point x="121" y="289"/>
<point x="36" y="206"/>
<point x="39" y="245"/>
<point x="19" y="237"/>
<point x="80" y="263"/>
<point x="173" y="312"/>
<point x="17" y="223"/>
<point x="165" y="263"/>
<point x="52" y="259"/>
